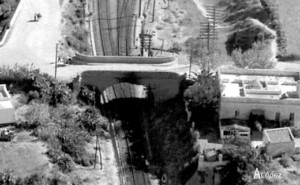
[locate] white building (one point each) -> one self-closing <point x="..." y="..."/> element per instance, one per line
<point x="6" y="107"/>
<point x="276" y="93"/>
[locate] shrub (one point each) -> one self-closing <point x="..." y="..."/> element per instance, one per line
<point x="285" y="161"/>
<point x="257" y="57"/>
<point x="33" y="115"/>
<point x="51" y="91"/>
<point x="47" y="131"/>
<point x="73" y="141"/>
<point x="65" y="163"/>
<point x="35" y="179"/>
<point x="7" y="177"/>
<point x="87" y="94"/>
<point x="296" y="132"/>
<point x="85" y="159"/>
<point x="17" y="78"/>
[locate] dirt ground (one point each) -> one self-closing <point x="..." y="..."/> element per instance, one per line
<point x="289" y="16"/>
<point x="108" y="175"/>
<point x="25" y="155"/>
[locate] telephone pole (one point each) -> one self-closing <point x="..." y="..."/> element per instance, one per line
<point x="55" y="65"/>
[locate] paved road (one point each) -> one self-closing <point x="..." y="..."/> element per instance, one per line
<point x="33" y="42"/>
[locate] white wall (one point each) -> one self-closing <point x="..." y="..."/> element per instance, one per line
<point x="228" y="109"/>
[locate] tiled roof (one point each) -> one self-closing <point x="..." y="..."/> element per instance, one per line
<point x="279" y="135"/>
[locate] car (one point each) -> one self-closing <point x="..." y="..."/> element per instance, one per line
<point x="6" y="135"/>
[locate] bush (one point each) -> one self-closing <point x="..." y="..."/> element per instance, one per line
<point x="66" y="163"/>
<point x="47" y="131"/>
<point x="259" y="57"/>
<point x="33" y="115"/>
<point x="85" y="159"/>
<point x="285" y="161"/>
<point x="51" y="91"/>
<point x="35" y="179"/>
<point x="7" y="177"/>
<point x="296" y="132"/>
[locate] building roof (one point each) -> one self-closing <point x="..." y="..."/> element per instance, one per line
<point x="279" y="135"/>
<point x="253" y="83"/>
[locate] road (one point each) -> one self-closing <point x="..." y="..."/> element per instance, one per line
<point x="32" y="42"/>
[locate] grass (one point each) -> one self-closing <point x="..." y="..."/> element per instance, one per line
<point x="25" y="157"/>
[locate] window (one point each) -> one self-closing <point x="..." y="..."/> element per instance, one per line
<point x="292" y="116"/>
<point x="277" y="116"/>
<point x="236" y="113"/>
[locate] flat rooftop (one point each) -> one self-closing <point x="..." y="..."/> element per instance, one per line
<point x="253" y="83"/>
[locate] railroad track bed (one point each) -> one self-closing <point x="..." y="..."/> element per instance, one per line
<point x="129" y="175"/>
<point x="115" y="22"/>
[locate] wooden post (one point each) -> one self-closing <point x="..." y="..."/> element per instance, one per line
<point x="55" y="70"/>
<point x="208" y="34"/>
<point x="140" y="8"/>
<point x="191" y="58"/>
<point x="153" y="14"/>
<point x="98" y="146"/>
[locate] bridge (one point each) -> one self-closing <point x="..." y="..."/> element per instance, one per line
<point x="133" y="84"/>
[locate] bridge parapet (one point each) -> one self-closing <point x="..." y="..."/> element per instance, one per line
<point x="80" y="59"/>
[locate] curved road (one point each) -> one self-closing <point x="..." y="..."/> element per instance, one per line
<point x="33" y="42"/>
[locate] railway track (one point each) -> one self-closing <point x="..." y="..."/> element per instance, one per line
<point x="114" y="26"/>
<point x="127" y="173"/>
<point x="103" y="22"/>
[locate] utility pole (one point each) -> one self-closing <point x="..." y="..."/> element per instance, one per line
<point x="140" y="8"/>
<point x="208" y="29"/>
<point x="55" y="65"/>
<point x="153" y="14"/>
<point x="146" y="42"/>
<point x="207" y="32"/>
<point x="191" y="58"/>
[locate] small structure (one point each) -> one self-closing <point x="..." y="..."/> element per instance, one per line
<point x="279" y="141"/>
<point x="7" y="111"/>
<point x="234" y="130"/>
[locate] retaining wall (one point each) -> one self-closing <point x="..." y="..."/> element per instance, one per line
<point x="80" y="59"/>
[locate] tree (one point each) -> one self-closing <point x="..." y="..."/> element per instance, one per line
<point x="203" y="96"/>
<point x="259" y="57"/>
<point x="207" y="59"/>
<point x="242" y="163"/>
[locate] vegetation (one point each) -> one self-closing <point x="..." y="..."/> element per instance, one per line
<point x="27" y="79"/>
<point x="170" y="139"/>
<point x="7" y="9"/>
<point x="76" y="28"/>
<point x="203" y="98"/>
<point x="53" y="117"/>
<point x="296" y="132"/>
<point x="55" y="178"/>
<point x="258" y="57"/>
<point x="243" y="161"/>
<point x="246" y="33"/>
<point x="207" y="59"/>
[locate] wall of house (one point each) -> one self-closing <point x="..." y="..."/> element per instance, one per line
<point x="276" y="149"/>
<point x="244" y="106"/>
